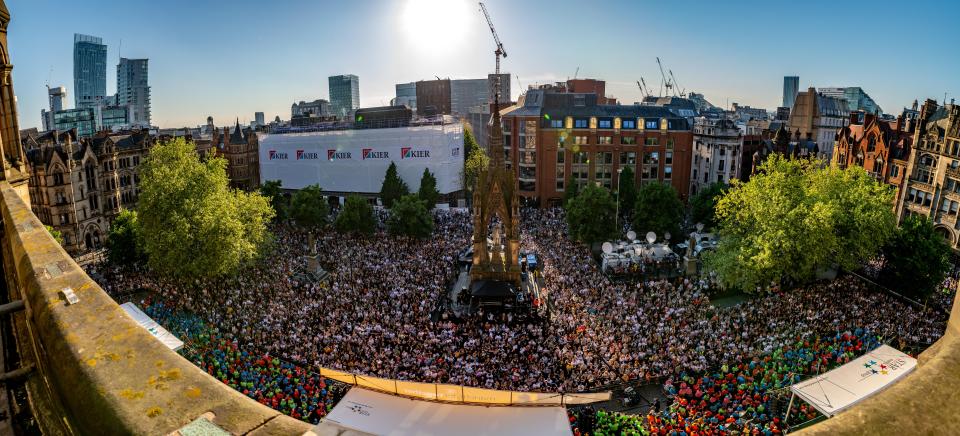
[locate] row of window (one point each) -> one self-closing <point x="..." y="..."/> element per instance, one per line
<point x="608" y="140"/>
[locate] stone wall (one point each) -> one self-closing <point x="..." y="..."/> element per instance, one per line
<point x="108" y="374"/>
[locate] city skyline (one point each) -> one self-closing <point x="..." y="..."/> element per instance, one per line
<point x="213" y="61"/>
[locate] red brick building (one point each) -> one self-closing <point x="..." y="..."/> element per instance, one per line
<point x="553" y="137"/>
<point x="882" y="147"/>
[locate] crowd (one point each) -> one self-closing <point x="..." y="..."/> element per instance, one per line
<point x="375" y="315"/>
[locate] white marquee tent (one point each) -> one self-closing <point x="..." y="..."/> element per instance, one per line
<point x="155" y="329"/>
<point x="843" y="387"/>
<point x="383" y="414"/>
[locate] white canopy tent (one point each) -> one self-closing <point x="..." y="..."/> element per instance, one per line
<point x="839" y="389"/>
<point x="383" y="414"/>
<point x="155" y="329"/>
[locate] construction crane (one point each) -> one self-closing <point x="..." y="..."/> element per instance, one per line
<point x="500" y="51"/>
<point x="576" y="73"/>
<point x="673" y="78"/>
<point x="666" y="82"/>
<point x="643" y="92"/>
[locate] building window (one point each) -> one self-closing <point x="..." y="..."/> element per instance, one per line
<point x="651" y="158"/>
<point x="651" y="141"/>
<point x="628" y="124"/>
<point x="580" y="140"/>
<point x="650" y="124"/>
<point x="580" y="123"/>
<point x="628" y="140"/>
<point x="605" y="124"/>
<point x="669" y="143"/>
<point x="895" y="171"/>
<point x="668" y="158"/>
<point x="720" y="166"/>
<point x="667" y="172"/>
<point x="628" y="158"/>
<point x="556" y="124"/>
<point x="604" y="140"/>
<point x="604" y="168"/>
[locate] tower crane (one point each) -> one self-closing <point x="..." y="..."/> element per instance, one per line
<point x="666" y="82"/>
<point x="500" y="51"/>
<point x="683" y="93"/>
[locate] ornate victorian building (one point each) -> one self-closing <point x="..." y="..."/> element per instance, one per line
<point x="882" y="147"/>
<point x="932" y="188"/>
<point x="241" y="149"/>
<point x="14" y="164"/>
<point x="78" y="187"/>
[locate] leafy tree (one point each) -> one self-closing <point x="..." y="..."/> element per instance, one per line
<point x="410" y="217"/>
<point x="57" y="235"/>
<point x="356" y="216"/>
<point x="658" y="210"/>
<point x="590" y="215"/>
<point x="704" y="204"/>
<point x="627" y="188"/>
<point x="476" y="162"/>
<point x="193" y="224"/>
<point x="309" y="210"/>
<point x="917" y="258"/>
<point x="571" y="191"/>
<point x="796" y="217"/>
<point x="272" y="189"/>
<point x="393" y="186"/>
<point x="428" y="189"/>
<point x="124" y="246"/>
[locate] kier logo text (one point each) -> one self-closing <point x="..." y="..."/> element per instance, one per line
<point x="368" y="153"/>
<point x="301" y="155"/>
<point x="274" y="154"/>
<point x="409" y="152"/>
<point x="337" y="155"/>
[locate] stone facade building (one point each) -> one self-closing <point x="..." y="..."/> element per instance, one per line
<point x="717" y="148"/>
<point x="932" y="188"/>
<point x="79" y="186"/>
<point x="241" y="149"/>
<point x="817" y="118"/>
<point x="882" y="147"/>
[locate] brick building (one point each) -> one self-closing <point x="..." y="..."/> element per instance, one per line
<point x="79" y="186"/>
<point x="241" y="149"/>
<point x="882" y="147"/>
<point x="932" y="187"/>
<point x="553" y="136"/>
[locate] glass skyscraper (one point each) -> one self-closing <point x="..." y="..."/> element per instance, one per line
<point x="791" y="86"/>
<point x="344" y="94"/>
<point x="89" y="70"/>
<point x="133" y="89"/>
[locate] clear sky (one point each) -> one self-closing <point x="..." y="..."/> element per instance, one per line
<point x="230" y="58"/>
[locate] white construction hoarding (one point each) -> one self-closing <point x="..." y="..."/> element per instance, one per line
<point x="355" y="161"/>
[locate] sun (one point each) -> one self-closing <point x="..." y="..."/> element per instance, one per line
<point x="435" y="26"/>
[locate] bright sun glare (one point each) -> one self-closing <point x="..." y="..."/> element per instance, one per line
<point x="437" y="26"/>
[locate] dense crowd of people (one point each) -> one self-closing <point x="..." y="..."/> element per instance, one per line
<point x="375" y="314"/>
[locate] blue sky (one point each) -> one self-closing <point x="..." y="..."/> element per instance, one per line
<point x="229" y="59"/>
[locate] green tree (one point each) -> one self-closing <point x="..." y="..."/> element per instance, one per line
<point x="590" y="215"/>
<point x="309" y="210"/>
<point x="658" y="210"/>
<point x="356" y="217"/>
<point x="428" y="189"/>
<point x="704" y="204"/>
<point x="124" y="246"/>
<point x="393" y="186"/>
<point x="272" y="189"/>
<point x="571" y="190"/>
<point x="57" y="235"/>
<point x="410" y="217"/>
<point x="797" y="217"/>
<point x="917" y="258"/>
<point x="627" y="189"/>
<point x="476" y="162"/>
<point x="193" y="224"/>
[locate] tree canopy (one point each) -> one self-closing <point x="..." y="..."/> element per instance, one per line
<point x="273" y="190"/>
<point x="56" y="234"/>
<point x="192" y="223"/>
<point x="124" y="246"/>
<point x="309" y="208"/>
<point x="795" y="218"/>
<point x="393" y="186"/>
<point x="703" y="205"/>
<point x="658" y="210"/>
<point x="476" y="161"/>
<point x="428" y="189"/>
<point x="571" y="190"/>
<point x="627" y="189"/>
<point x="356" y="217"/>
<point x="590" y="215"/>
<point x="917" y="258"/>
<point x="410" y="217"/>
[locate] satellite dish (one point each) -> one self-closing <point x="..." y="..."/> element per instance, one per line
<point x="607" y="247"/>
<point x="632" y="235"/>
<point x="666" y="236"/>
<point x="651" y="237"/>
